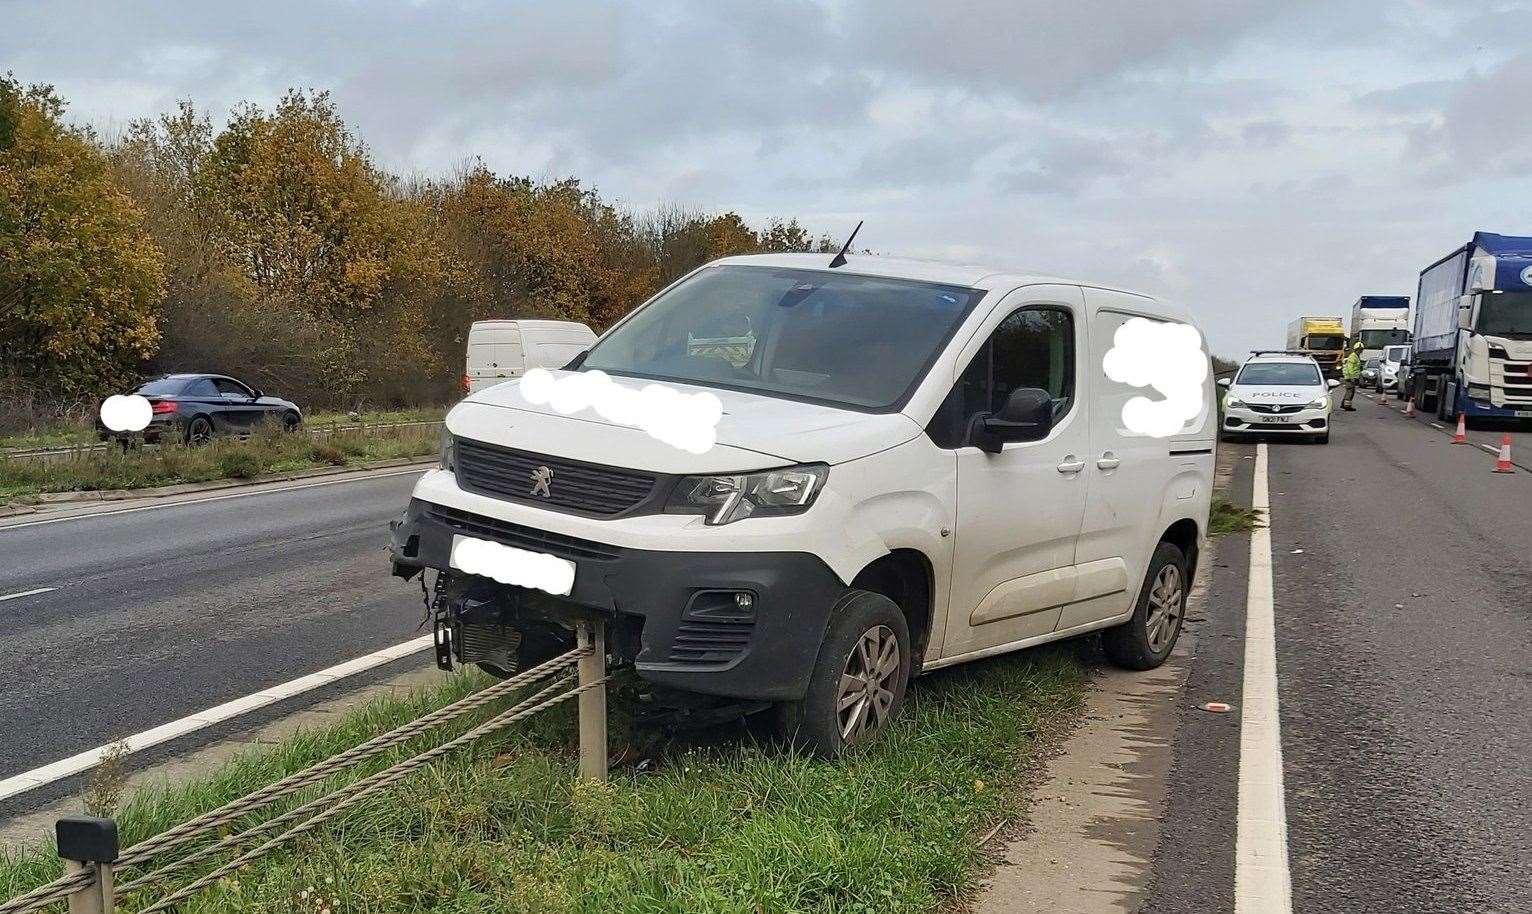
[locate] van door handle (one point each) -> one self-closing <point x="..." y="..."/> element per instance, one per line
<point x="1071" y="464"/>
<point x="1108" y="461"/>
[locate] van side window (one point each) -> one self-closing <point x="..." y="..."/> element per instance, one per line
<point x="1032" y="347"/>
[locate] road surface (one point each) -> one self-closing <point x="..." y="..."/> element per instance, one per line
<point x="161" y="613"/>
<point x="1402" y="584"/>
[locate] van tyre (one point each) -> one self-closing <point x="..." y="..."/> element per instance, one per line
<point x="859" y="680"/>
<point x="1146" y="639"/>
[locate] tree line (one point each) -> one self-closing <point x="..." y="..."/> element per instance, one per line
<point x="277" y="249"/>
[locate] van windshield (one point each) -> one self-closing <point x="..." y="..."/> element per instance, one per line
<point x="1279" y="373"/>
<point x="861" y="342"/>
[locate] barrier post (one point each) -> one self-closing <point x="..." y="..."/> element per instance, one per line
<point x="86" y="843"/>
<point x="592" y="668"/>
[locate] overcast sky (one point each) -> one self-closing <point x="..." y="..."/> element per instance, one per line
<point x="1254" y="160"/>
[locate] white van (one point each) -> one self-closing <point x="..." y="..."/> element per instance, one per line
<point x="916" y="465"/>
<point x="500" y="351"/>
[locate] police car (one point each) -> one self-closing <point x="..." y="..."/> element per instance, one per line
<point x="1282" y="393"/>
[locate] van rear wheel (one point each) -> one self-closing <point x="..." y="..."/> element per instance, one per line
<point x="858" y="683"/>
<point x="1146" y="640"/>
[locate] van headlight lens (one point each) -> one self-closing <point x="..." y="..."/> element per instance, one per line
<point x="449" y="452"/>
<point x="726" y="499"/>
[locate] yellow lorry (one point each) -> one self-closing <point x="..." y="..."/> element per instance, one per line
<point x="1324" y="338"/>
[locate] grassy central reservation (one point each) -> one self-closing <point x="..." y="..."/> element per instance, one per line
<point x="719" y="823"/>
<point x="269" y="450"/>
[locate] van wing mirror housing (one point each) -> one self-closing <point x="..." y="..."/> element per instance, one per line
<point x="1026" y="416"/>
<point x="1332" y="383"/>
<point x="1223" y="382"/>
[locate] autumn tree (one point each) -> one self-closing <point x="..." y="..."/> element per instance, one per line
<point x="80" y="279"/>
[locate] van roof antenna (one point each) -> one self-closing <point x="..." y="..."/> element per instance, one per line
<point x="840" y="259"/>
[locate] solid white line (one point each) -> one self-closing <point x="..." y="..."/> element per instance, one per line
<point x="1262" y="884"/>
<point x="47" y="774"/>
<point x="198" y="501"/>
<point x="27" y="593"/>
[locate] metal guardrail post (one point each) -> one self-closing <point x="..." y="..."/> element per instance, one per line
<point x="592" y="636"/>
<point x="85" y="843"/>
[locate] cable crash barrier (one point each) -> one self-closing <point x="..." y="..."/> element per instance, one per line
<point x="98" y="873"/>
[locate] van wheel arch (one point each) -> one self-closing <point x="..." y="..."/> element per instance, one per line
<point x="905" y="576"/>
<point x="1184" y="535"/>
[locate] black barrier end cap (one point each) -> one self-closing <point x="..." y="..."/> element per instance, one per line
<point x="87" y="839"/>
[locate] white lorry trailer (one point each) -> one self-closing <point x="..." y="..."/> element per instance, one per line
<point x="1472" y="348"/>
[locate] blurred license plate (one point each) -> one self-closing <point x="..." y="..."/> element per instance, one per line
<point x="510" y="565"/>
<point x="1276" y="420"/>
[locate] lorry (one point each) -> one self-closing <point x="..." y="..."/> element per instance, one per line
<point x="919" y="465"/>
<point x="1472" y="347"/>
<point x="1323" y="338"/>
<point x="1378" y="321"/>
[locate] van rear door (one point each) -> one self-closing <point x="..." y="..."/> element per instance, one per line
<point x="494" y="353"/>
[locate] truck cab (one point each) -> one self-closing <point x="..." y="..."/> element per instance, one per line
<point x="1378" y="321"/>
<point x="1472" y="347"/>
<point x="899" y="466"/>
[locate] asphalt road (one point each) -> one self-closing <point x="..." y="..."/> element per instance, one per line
<point x="1402" y="575"/>
<point x="162" y="613"/>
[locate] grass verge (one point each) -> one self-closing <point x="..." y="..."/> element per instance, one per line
<point x="1226" y="517"/>
<point x="81" y="431"/>
<point x="267" y="451"/>
<point x="719" y="823"/>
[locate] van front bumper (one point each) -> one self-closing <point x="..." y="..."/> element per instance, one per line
<point x="693" y="634"/>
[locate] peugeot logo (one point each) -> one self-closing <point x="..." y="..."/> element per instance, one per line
<point x="540" y="479"/>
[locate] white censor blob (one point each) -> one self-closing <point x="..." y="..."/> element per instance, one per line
<point x="510" y="565"/>
<point x="126" y="413"/>
<point x="1167" y="357"/>
<point x="685" y="421"/>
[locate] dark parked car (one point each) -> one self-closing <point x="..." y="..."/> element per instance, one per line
<point x="195" y="407"/>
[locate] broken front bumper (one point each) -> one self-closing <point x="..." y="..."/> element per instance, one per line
<point x="736" y="624"/>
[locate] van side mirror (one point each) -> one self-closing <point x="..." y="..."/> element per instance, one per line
<point x="1026" y="416"/>
<point x="1223" y="382"/>
<point x="1332" y="383"/>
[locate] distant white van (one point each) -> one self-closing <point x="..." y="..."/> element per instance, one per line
<point x="500" y="351"/>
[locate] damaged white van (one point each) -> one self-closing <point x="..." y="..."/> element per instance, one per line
<point x="915" y="465"/>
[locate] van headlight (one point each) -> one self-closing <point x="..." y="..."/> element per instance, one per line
<point x="726" y="499"/>
<point x="449" y="452"/>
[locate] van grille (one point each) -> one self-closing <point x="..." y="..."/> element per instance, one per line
<point x="499" y="531"/>
<point x="576" y="486"/>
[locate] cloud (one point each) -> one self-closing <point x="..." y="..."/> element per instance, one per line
<point x="1167" y="357"/>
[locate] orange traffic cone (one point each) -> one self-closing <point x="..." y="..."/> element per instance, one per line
<point x="1461" y="435"/>
<point x="1503" y="462"/>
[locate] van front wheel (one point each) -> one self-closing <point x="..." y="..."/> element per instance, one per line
<point x="859" y="680"/>
<point x="1146" y="640"/>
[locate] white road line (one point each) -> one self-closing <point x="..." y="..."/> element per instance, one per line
<point x="47" y="774"/>
<point x="27" y="593"/>
<point x="1491" y="448"/>
<point x="198" y="501"/>
<point x="1438" y="425"/>
<point x="1262" y="884"/>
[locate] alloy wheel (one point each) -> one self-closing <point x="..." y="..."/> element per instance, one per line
<point x="1166" y="602"/>
<point x="865" y="699"/>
